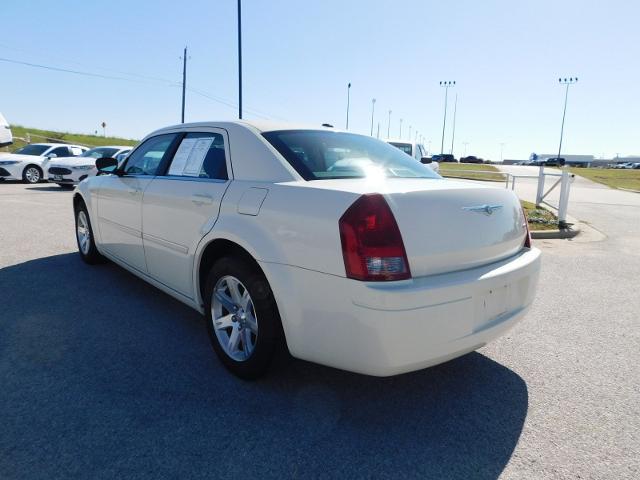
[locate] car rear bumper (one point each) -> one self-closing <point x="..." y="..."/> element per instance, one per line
<point x="390" y="328"/>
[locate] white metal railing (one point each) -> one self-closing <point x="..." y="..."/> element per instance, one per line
<point x="564" y="179"/>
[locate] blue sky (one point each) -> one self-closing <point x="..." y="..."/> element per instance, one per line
<point x="505" y="56"/>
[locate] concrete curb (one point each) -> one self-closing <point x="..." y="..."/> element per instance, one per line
<point x="628" y="190"/>
<point x="565" y="233"/>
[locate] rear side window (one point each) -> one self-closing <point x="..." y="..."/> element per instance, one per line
<point x="60" y="152"/>
<point x="200" y="155"/>
<point x="146" y="159"/>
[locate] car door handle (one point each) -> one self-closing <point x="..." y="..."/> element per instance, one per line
<point x="202" y="199"/>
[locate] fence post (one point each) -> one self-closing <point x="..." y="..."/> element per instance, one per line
<point x="564" y="198"/>
<point x="540" y="191"/>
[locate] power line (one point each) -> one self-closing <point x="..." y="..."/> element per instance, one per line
<point x="166" y="82"/>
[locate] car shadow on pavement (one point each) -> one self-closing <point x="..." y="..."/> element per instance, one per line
<point x="104" y="376"/>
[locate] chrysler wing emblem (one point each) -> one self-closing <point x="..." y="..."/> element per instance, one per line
<point x="486" y="209"/>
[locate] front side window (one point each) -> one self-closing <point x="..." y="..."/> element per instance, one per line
<point x="60" y="152"/>
<point x="200" y="155"/>
<point x="100" y="152"/>
<point x="146" y="159"/>
<point x="318" y="155"/>
<point x="32" y="150"/>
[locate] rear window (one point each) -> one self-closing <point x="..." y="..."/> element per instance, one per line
<point x="319" y="155"/>
<point x="405" y="147"/>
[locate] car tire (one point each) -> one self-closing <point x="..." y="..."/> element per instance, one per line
<point x="245" y="340"/>
<point x="31" y="174"/>
<point x="84" y="237"/>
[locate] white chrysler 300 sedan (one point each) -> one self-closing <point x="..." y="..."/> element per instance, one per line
<point x="334" y="245"/>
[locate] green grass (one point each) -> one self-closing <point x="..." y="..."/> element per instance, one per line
<point x="46" y="136"/>
<point x="612" y="177"/>
<point x="539" y="217"/>
<point x="461" y="170"/>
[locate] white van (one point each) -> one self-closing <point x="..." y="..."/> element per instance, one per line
<point x="6" y="137"/>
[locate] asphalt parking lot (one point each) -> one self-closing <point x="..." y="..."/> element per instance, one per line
<point x="103" y="376"/>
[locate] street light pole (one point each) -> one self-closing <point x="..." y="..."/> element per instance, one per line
<point x="400" y="136"/>
<point x="409" y="132"/>
<point x="502" y="144"/>
<point x="455" y="110"/>
<point x="240" y="59"/>
<point x="567" y="82"/>
<point x="465" y="147"/>
<point x="373" y="109"/>
<point x="348" y="99"/>
<point x="446" y="84"/>
<point x="184" y="80"/>
<point x="389" y="126"/>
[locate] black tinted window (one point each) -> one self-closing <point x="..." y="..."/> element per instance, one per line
<point x="200" y="155"/>
<point x="61" y="152"/>
<point x="147" y="157"/>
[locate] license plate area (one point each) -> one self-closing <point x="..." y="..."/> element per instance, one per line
<point x="491" y="304"/>
<point x="57" y="177"/>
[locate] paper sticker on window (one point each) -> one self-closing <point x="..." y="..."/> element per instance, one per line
<point x="190" y="156"/>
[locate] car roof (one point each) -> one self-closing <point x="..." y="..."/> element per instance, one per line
<point x="260" y="125"/>
<point x="397" y="140"/>
<point x="119" y="147"/>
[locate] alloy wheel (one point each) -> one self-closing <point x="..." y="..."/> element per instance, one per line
<point x="83" y="232"/>
<point x="234" y="318"/>
<point x="32" y="175"/>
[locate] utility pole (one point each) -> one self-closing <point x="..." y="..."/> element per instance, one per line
<point x="378" y="134"/>
<point x="567" y="82"/>
<point x="400" y="129"/>
<point x="348" y="100"/>
<point x="453" y="135"/>
<point x="465" y="147"/>
<point x="240" y="59"/>
<point x="446" y="85"/>
<point x="389" y="125"/>
<point x="502" y="144"/>
<point x="373" y="109"/>
<point x="184" y="80"/>
<point x="409" y="132"/>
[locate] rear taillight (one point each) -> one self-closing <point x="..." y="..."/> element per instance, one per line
<point x="372" y="246"/>
<point x="527" y="239"/>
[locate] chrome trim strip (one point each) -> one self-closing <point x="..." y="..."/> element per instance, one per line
<point x="129" y="230"/>
<point x="165" y="243"/>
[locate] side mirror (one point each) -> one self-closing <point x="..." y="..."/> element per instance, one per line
<point x="426" y="160"/>
<point x="106" y="165"/>
<point x="52" y="155"/>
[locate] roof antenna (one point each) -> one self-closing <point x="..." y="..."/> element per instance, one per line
<point x="328" y="125"/>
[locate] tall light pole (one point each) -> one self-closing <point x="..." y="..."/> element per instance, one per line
<point x="447" y="85"/>
<point x="409" y="132"/>
<point x="455" y="110"/>
<point x="240" y="59"/>
<point x="184" y="80"/>
<point x="465" y="147"/>
<point x="567" y="82"/>
<point x="416" y="139"/>
<point x="373" y="110"/>
<point x="502" y="144"/>
<point x="348" y="99"/>
<point x="389" y="126"/>
<point x="400" y="136"/>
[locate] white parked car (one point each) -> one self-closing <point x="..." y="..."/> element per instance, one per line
<point x="417" y="151"/>
<point x="69" y="171"/>
<point x="30" y="162"/>
<point x="337" y="245"/>
<point x="6" y="137"/>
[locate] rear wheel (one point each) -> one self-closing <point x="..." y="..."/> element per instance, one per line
<point x="242" y="317"/>
<point x="31" y="174"/>
<point x="84" y="236"/>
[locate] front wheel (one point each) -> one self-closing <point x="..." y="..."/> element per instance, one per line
<point x="84" y="236"/>
<point x="242" y="317"/>
<point x="31" y="174"/>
